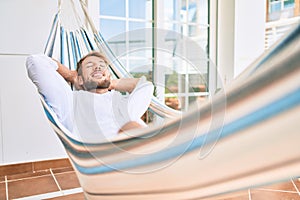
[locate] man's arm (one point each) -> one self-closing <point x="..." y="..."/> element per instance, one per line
<point x="66" y="73"/>
<point x="69" y="75"/>
<point x="139" y="100"/>
<point x="124" y="84"/>
<point x="42" y="70"/>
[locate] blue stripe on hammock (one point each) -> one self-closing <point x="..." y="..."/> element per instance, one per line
<point x="283" y="104"/>
<point x="74" y="50"/>
<point x="85" y="40"/>
<point x="51" y="36"/>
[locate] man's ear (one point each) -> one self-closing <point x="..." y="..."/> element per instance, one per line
<point x="80" y="80"/>
<point x="79" y="83"/>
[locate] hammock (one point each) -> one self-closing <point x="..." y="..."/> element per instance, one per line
<point x="181" y="159"/>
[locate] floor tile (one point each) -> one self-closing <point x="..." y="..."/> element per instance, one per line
<point x="59" y="163"/>
<point x="78" y="196"/>
<point x="2" y="179"/>
<point x="15" y="169"/>
<point x="272" y="195"/>
<point x="2" y="191"/>
<point x="28" y="175"/>
<point x="67" y="180"/>
<point x="62" y="170"/>
<point x="286" y="186"/>
<point x="297" y="183"/>
<point x="31" y="186"/>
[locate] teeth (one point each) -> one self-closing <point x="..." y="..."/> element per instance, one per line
<point x="97" y="75"/>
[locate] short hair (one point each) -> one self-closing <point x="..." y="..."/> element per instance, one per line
<point x="92" y="53"/>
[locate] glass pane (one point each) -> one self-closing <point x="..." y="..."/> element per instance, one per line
<point x="188" y="12"/>
<point x="201" y="14"/>
<point x="110" y="8"/>
<point x="197" y="83"/>
<point x="136" y="25"/>
<point x="123" y="61"/>
<point x="183" y="11"/>
<point x="116" y="27"/>
<point x="140" y="67"/>
<point x="117" y="46"/>
<point x="289" y="3"/>
<point x="195" y="12"/>
<point x="140" y="9"/>
<point x="174" y="83"/>
<point x="192" y="99"/>
<point x="197" y="99"/>
<point x="200" y="36"/>
<point x="275" y="6"/>
<point x="138" y="50"/>
<point x="173" y="102"/>
<point x="171" y="26"/>
<point x="140" y="36"/>
<point x="171" y="10"/>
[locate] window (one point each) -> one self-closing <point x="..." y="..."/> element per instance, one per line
<point x="186" y="79"/>
<point x="279" y="9"/>
<point x="124" y="25"/>
<point x="282" y="15"/>
<point x="174" y="56"/>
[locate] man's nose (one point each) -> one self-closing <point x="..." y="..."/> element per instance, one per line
<point x="97" y="67"/>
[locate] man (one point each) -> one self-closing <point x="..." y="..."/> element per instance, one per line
<point x="97" y="107"/>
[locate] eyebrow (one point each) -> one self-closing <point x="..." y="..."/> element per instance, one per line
<point x="95" y="62"/>
<point x="89" y="63"/>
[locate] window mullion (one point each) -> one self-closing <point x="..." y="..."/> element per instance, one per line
<point x="127" y="34"/>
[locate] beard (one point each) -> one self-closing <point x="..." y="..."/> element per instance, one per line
<point x="93" y="85"/>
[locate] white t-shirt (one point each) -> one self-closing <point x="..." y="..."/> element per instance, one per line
<point x="83" y="113"/>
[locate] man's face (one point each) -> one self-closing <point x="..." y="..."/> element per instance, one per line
<point x="95" y="73"/>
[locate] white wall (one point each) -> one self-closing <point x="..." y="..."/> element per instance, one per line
<point x="240" y="35"/>
<point x="249" y="32"/>
<point x="225" y="44"/>
<point x="25" y="134"/>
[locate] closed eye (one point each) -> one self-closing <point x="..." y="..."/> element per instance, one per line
<point x="88" y="65"/>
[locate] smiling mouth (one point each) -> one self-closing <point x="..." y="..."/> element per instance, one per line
<point x="97" y="75"/>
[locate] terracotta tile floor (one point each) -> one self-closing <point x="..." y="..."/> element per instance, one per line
<point x="61" y="183"/>
<point x="57" y="183"/>
<point x="282" y="191"/>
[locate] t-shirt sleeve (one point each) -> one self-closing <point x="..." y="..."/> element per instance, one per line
<point x="139" y="99"/>
<point x="57" y="93"/>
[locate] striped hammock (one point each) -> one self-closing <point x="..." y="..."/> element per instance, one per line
<point x="242" y="139"/>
